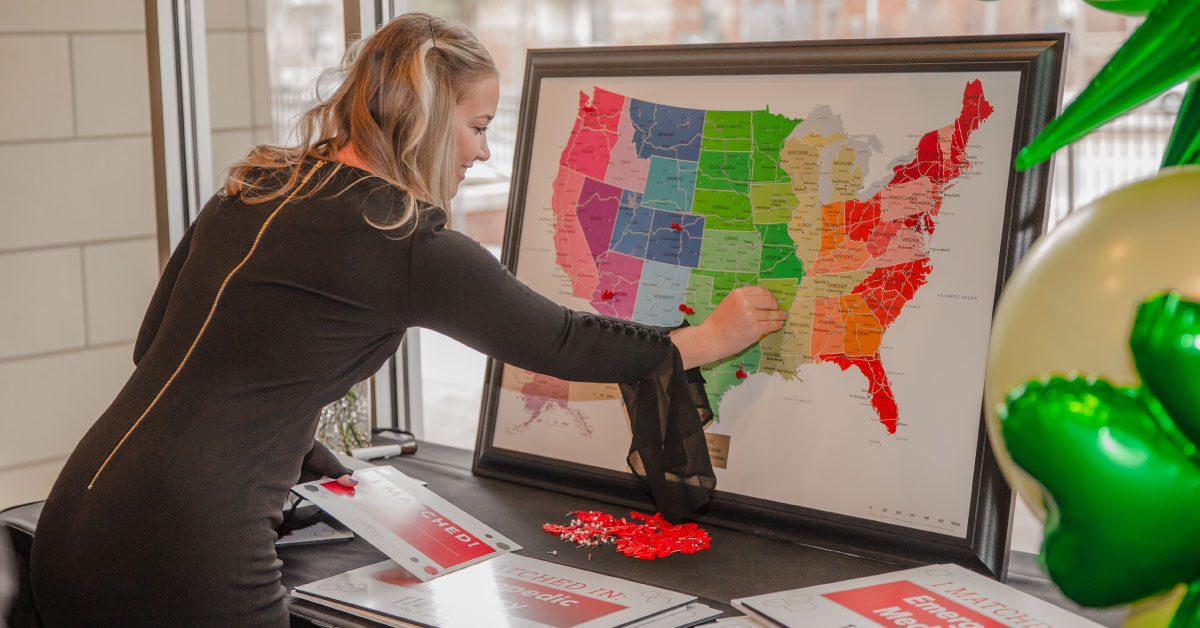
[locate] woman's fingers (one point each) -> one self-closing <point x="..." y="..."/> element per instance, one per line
<point x="769" y="325"/>
<point x="766" y="302"/>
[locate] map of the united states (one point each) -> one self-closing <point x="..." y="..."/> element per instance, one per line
<point x="660" y="211"/>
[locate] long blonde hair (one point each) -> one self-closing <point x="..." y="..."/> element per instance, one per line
<point x="396" y="105"/>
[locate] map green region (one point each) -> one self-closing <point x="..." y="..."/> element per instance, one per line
<point x="660" y="211"/>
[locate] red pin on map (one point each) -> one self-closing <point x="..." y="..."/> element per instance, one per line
<point x="607" y="295"/>
<point x="676" y="226"/>
<point x="741" y="373"/>
<point x="685" y="309"/>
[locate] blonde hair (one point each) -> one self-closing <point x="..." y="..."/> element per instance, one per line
<point x="396" y="105"/>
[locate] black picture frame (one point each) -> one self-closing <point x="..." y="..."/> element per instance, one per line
<point x="1039" y="58"/>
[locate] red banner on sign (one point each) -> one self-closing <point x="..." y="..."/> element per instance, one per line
<point x="906" y="604"/>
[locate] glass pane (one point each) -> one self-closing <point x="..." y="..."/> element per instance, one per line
<point x="264" y="58"/>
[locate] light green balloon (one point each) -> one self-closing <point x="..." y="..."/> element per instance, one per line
<point x="1070" y="303"/>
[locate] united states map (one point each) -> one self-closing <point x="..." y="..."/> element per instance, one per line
<point x="661" y="210"/>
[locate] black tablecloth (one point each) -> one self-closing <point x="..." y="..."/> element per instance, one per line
<point x="737" y="564"/>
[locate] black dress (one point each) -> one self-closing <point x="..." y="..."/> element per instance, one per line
<point x="164" y="514"/>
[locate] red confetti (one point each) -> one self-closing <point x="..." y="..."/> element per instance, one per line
<point x="647" y="537"/>
<point x="741" y="373"/>
<point x="676" y="226"/>
<point x="607" y="295"/>
<point x="685" y="309"/>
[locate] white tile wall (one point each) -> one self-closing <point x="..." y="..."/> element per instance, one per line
<point x="229" y="79"/>
<point x="42" y="308"/>
<point x="49" y="402"/>
<point x="228" y="147"/>
<point x="120" y="279"/>
<point x="24" y="484"/>
<point x="225" y="14"/>
<point x="265" y="135"/>
<point x="260" y="78"/>
<point x="76" y="191"/>
<point x="36" y="95"/>
<point x="112" y="84"/>
<point x="77" y="224"/>
<point x="23" y="16"/>
<point x="257" y="13"/>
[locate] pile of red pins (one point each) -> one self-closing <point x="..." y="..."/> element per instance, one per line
<point x="647" y="536"/>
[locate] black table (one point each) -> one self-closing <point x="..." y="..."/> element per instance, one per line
<point x="737" y="564"/>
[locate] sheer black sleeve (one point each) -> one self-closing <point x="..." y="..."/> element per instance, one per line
<point x="460" y="290"/>
<point x="162" y="296"/>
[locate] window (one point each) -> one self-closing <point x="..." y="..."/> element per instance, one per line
<point x="266" y="57"/>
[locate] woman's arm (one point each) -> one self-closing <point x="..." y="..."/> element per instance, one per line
<point x="460" y="290"/>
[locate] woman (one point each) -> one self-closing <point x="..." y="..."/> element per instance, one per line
<point x="296" y="281"/>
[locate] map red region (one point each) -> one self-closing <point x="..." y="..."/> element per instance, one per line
<point x="889" y="288"/>
<point x="594" y="135"/>
<point x="880" y="389"/>
<point x="940" y="158"/>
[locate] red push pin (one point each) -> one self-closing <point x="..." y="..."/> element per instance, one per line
<point x="676" y="226"/>
<point x="607" y="295"/>
<point x="685" y="309"/>
<point x="589" y="109"/>
<point x="741" y="373"/>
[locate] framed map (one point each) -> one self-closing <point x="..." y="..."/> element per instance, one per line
<point x="868" y="185"/>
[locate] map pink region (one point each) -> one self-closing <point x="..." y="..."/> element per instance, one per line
<point x="571" y="249"/>
<point x="544" y="393"/>
<point x="594" y="135"/>
<point x="625" y="169"/>
<point x="597" y="212"/>
<point x="616" y="292"/>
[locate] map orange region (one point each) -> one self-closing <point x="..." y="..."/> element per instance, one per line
<point x="661" y="209"/>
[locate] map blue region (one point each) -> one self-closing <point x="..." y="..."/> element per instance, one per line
<point x="631" y="230"/>
<point x="664" y="287"/>
<point x="672" y="245"/>
<point x="672" y="132"/>
<point x="670" y="184"/>
<point x="656" y="235"/>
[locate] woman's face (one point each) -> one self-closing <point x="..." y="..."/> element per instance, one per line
<point x="475" y="113"/>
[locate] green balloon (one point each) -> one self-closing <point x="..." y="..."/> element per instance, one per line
<point x="1162" y="53"/>
<point x="1119" y="467"/>
<point x="1165" y="343"/>
<point x="1125" y="7"/>
<point x="1184" y="146"/>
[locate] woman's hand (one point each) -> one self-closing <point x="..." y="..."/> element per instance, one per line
<point x="743" y="317"/>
